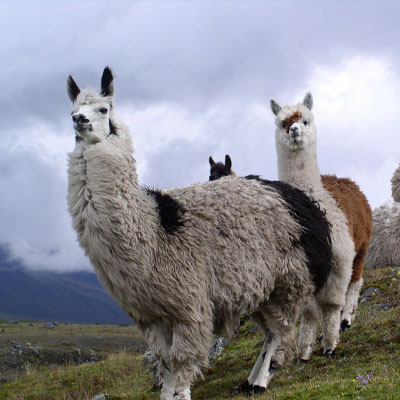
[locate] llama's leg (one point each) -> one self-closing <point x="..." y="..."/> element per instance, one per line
<point x="188" y="353"/>
<point x="353" y="291"/>
<point x="330" y="327"/>
<point x="308" y="330"/>
<point x="159" y="338"/>
<point x="265" y="373"/>
<point x="350" y="307"/>
<point x="247" y="386"/>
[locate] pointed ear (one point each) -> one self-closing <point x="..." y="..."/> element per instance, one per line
<point x="107" y="85"/>
<point x="275" y="107"/>
<point x="211" y="161"/>
<point x="308" y="101"/>
<point x="72" y="88"/>
<point x="228" y="162"/>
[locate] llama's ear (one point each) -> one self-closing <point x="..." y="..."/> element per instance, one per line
<point x="107" y="85"/>
<point x="211" y="161"/>
<point x="275" y="107"/>
<point x="228" y="162"/>
<point x="72" y="88"/>
<point x="308" y="101"/>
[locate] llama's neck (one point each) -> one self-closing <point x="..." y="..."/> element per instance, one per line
<point x="115" y="219"/>
<point x="299" y="168"/>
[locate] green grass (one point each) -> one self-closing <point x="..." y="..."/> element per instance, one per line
<point x="371" y="346"/>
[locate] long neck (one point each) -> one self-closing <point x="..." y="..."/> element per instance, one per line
<point x="115" y="220"/>
<point x="299" y="167"/>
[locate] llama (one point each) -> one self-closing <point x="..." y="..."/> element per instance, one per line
<point x="184" y="262"/>
<point x="384" y="249"/>
<point x="348" y="212"/>
<point x="219" y="169"/>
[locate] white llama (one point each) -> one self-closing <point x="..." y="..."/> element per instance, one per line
<point x="296" y="139"/>
<point x="384" y="249"/>
<point x="184" y="263"/>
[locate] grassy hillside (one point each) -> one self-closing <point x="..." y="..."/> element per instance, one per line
<point x="367" y="364"/>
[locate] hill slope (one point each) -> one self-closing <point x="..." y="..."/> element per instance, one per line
<point x="367" y="364"/>
<point x="77" y="297"/>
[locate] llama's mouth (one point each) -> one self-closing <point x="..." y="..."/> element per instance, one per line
<point x="81" y="127"/>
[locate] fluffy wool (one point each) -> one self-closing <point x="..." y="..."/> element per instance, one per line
<point x="384" y="249"/>
<point x="296" y="140"/>
<point x="236" y="249"/>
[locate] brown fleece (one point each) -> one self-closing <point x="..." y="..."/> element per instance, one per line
<point x="352" y="201"/>
<point x="289" y="121"/>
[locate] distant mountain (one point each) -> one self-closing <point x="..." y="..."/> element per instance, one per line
<point x="75" y="297"/>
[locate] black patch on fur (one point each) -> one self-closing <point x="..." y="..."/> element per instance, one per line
<point x="78" y="139"/>
<point x="113" y="129"/>
<point x="218" y="170"/>
<point x="315" y="238"/>
<point x="170" y="211"/>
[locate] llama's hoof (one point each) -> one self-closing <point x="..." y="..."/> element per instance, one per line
<point x="257" y="390"/>
<point x="243" y="388"/>
<point x="329" y="353"/>
<point x="345" y="325"/>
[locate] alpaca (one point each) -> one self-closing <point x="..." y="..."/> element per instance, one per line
<point x="348" y="212"/>
<point x="396" y="185"/>
<point x="184" y="262"/>
<point x="219" y="169"/>
<point x="384" y="249"/>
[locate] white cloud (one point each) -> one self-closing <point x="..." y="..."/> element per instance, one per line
<point x="356" y="103"/>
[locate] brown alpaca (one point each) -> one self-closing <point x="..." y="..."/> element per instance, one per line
<point x="352" y="201"/>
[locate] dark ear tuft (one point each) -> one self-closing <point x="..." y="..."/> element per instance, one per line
<point x="107" y="85"/>
<point x="275" y="107"/>
<point x="228" y="162"/>
<point x="72" y="88"/>
<point x="211" y="161"/>
<point x="308" y="101"/>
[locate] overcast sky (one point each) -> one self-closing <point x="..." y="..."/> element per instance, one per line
<point x="192" y="79"/>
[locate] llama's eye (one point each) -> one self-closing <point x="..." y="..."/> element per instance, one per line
<point x="103" y="110"/>
<point x="305" y="122"/>
<point x="284" y="124"/>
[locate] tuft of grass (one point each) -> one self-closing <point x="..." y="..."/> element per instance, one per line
<point x="367" y="364"/>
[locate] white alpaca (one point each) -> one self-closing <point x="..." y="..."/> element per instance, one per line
<point x="296" y="139"/>
<point x="184" y="263"/>
<point x="384" y="249"/>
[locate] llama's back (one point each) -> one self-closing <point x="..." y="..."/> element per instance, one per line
<point x="252" y="225"/>
<point x="352" y="201"/>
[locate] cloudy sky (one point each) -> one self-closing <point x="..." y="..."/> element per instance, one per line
<point x="193" y="79"/>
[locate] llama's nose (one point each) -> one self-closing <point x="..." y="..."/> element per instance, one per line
<point x="294" y="130"/>
<point x="80" y="119"/>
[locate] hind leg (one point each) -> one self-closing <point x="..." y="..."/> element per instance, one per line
<point x="308" y="330"/>
<point x="353" y="291"/>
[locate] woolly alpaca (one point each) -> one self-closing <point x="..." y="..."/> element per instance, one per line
<point x="348" y="212"/>
<point x="219" y="169"/>
<point x="184" y="262"/>
<point x="384" y="249"/>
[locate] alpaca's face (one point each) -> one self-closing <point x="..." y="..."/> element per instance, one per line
<point x="91" y="117"/>
<point x="295" y="127"/>
<point x="91" y="111"/>
<point x="219" y="169"/>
